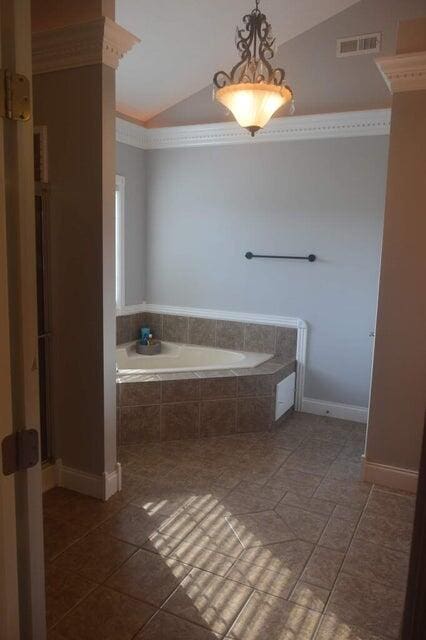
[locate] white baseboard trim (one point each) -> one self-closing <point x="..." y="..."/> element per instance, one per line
<point x="90" y="484"/>
<point x="335" y="410"/>
<point x="392" y="477"/>
<point x="112" y="481"/>
<point x="49" y="476"/>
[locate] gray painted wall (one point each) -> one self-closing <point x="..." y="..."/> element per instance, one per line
<point x="131" y="165"/>
<point x="321" y="82"/>
<point x="207" y="206"/>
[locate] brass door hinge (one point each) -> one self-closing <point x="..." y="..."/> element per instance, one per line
<point x="20" y="451"/>
<point x="15" y="103"/>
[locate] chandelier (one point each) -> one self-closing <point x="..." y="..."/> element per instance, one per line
<point x="253" y="90"/>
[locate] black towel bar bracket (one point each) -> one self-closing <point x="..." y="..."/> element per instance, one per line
<point x="311" y="257"/>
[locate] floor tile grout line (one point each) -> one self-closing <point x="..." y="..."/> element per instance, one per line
<point x="177" y="615"/>
<point x="353" y="537"/>
<point x="104" y="581"/>
<point x="340" y="570"/>
<point x="124" y="504"/>
<point x="243" y="606"/>
<point x="52" y="627"/>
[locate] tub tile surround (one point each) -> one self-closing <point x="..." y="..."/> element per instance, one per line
<point x="202" y="403"/>
<point x="223" y="334"/>
<point x="193" y="404"/>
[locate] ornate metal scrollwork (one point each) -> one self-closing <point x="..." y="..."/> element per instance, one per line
<point x="255" y="42"/>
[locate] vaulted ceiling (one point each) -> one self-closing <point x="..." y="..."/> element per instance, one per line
<point x="184" y="42"/>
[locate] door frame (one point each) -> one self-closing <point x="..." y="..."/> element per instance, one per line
<point x="9" y="602"/>
<point x="22" y="570"/>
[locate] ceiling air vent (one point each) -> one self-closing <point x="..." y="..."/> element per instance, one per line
<point x="357" y="45"/>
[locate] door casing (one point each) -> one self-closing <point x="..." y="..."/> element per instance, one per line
<point x="22" y="563"/>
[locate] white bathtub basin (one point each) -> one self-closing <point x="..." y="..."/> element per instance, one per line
<point x="175" y="357"/>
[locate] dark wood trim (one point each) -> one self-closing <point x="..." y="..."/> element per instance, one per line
<point x="414" y="623"/>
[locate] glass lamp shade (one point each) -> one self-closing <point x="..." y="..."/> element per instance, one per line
<point x="253" y="105"/>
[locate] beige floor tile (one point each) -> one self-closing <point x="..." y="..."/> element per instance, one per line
<point x="105" y="614"/>
<point x="338" y="534"/>
<point x="285" y="439"/>
<point x="352" y="451"/>
<point x="347" y="513"/>
<point x="182" y="523"/>
<point x="207" y="501"/>
<point x="59" y="535"/>
<point x="258" y="529"/>
<point x="178" y="503"/>
<point x="346" y="470"/>
<point x="332" y="628"/>
<point x="64" y="590"/>
<point x="287" y="558"/>
<point x="321" y="449"/>
<point x="374" y="562"/>
<point x="148" y="577"/>
<point x="230" y="478"/>
<point x="238" y="502"/>
<point x="310" y="596"/>
<point x="208" y="600"/>
<point x="391" y="505"/>
<point x="57" y="498"/>
<point x="72" y="508"/>
<point x="94" y="557"/>
<point x="132" y="524"/>
<point x="202" y="558"/>
<point x="303" y="525"/>
<point x="375" y="607"/>
<point x="160" y="498"/>
<point x="346" y="492"/>
<point x="165" y="626"/>
<point x="315" y="505"/>
<point x="130" y="485"/>
<point x="323" y="567"/>
<point x="261" y="579"/>
<point x="161" y="544"/>
<point x="214" y="532"/>
<point x="304" y="484"/>
<point x="309" y="463"/>
<point x="266" y="616"/>
<point x="385" y="531"/>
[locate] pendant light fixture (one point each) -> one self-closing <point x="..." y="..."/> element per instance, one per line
<point x="253" y="90"/>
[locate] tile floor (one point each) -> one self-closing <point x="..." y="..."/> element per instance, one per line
<point x="264" y="536"/>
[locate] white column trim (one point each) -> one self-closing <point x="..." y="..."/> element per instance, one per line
<point x="372" y="122"/>
<point x="216" y="314"/>
<point x="404" y="72"/>
<point x="100" y="41"/>
<point x="98" y="486"/>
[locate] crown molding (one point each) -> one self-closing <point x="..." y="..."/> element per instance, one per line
<point x="134" y="135"/>
<point x="404" y="72"/>
<point x="374" y="122"/>
<point x="100" y="41"/>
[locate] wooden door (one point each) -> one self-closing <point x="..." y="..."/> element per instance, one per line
<point x="22" y="605"/>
